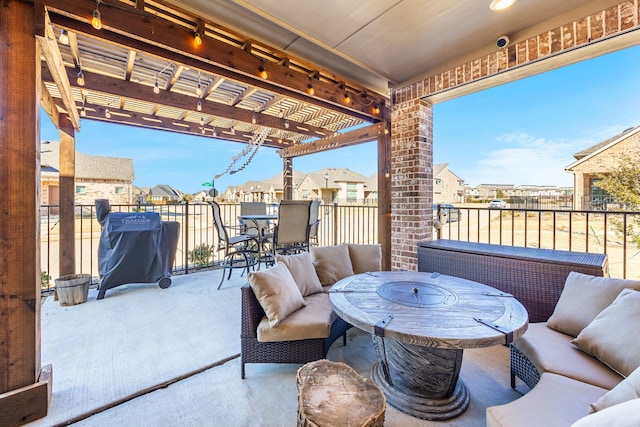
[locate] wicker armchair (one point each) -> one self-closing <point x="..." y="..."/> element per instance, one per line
<point x="299" y="351"/>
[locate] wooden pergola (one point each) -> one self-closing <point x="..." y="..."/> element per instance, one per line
<point x="155" y="65"/>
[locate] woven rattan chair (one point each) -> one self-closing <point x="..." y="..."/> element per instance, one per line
<point x="240" y="251"/>
<point x="291" y="234"/>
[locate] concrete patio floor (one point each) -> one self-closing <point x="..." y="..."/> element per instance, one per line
<point x="145" y="356"/>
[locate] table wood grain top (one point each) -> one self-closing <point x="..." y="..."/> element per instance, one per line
<point x="430" y="310"/>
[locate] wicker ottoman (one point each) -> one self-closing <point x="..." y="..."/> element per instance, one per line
<point x="334" y="394"/>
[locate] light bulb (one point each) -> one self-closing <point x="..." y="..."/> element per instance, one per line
<point x="347" y="98"/>
<point x="286" y="124"/>
<point x="83" y="111"/>
<point x="214" y="131"/>
<point x="376" y="109"/>
<point x="199" y="90"/>
<point x="96" y="21"/>
<point x="199" y="107"/>
<point x="263" y="72"/>
<point x="253" y="119"/>
<point x="197" y="40"/>
<point x="156" y="88"/>
<point x="107" y="113"/>
<point x="64" y="37"/>
<point x="310" y="90"/>
<point x="80" y="79"/>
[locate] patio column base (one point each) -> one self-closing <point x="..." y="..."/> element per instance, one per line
<point x="27" y="404"/>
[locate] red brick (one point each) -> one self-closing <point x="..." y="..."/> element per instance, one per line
<point x="597" y="25"/>
<point x="568" y="38"/>
<point x="544" y="47"/>
<point x="532" y="48"/>
<point x="582" y="31"/>
<point x="611" y="21"/>
<point x="627" y="16"/>
<point x="556" y="40"/>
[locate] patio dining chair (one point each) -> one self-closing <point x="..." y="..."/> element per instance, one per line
<point x="314" y="221"/>
<point x="240" y="250"/>
<point x="291" y="234"/>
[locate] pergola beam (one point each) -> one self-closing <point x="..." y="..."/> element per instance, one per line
<point x="354" y="137"/>
<point x="127" y="89"/>
<point x="156" y="36"/>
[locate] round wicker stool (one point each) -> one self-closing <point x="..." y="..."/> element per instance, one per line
<point x="334" y="394"/>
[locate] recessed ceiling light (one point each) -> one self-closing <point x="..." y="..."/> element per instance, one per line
<point x="501" y="4"/>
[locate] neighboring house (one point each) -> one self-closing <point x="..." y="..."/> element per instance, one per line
<point x="600" y="159"/>
<point x="202" y="196"/>
<point x="371" y="190"/>
<point x="96" y="177"/>
<point x="270" y="190"/>
<point x="491" y="191"/>
<point x="163" y="194"/>
<point x="341" y="185"/>
<point x="447" y="186"/>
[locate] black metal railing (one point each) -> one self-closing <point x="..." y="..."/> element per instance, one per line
<point x="338" y="224"/>
<point x="614" y="233"/>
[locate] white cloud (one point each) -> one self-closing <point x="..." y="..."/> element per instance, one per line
<point x="523" y="159"/>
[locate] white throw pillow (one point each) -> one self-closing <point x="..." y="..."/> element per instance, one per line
<point x="612" y="337"/>
<point x="627" y="389"/>
<point x="304" y="273"/>
<point x="583" y="298"/>
<point x="276" y="292"/>
<point x="625" y="414"/>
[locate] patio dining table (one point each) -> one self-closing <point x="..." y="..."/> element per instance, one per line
<point x="420" y="323"/>
<point x="263" y="235"/>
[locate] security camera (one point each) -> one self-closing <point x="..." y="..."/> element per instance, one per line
<point x="502" y="41"/>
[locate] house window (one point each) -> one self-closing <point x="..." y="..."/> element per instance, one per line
<point x="438" y="181"/>
<point x="305" y="194"/>
<point x="119" y="190"/>
<point x="352" y="192"/>
<point x="81" y="189"/>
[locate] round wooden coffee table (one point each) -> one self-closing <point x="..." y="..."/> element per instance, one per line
<point x="420" y="323"/>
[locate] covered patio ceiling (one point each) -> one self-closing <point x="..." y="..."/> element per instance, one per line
<point x="350" y="52"/>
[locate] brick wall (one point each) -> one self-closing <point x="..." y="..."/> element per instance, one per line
<point x="103" y="190"/>
<point x="610" y="22"/>
<point x="411" y="181"/>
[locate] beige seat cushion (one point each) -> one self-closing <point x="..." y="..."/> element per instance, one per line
<point x="313" y="321"/>
<point x="551" y="351"/>
<point x="612" y="337"/>
<point x="276" y="292"/>
<point x="365" y="257"/>
<point x="583" y="298"/>
<point x="332" y="263"/>
<point x="304" y="273"/>
<point x="556" y="401"/>
<point x="628" y="389"/>
<point x="625" y="414"/>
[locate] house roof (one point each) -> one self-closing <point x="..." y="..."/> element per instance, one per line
<point x="589" y="152"/>
<point x="87" y="166"/>
<point x="164" y="190"/>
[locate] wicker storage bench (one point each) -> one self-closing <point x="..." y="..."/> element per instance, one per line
<point x="534" y="276"/>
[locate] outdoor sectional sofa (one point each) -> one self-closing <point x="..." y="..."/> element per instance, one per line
<point x="583" y="364"/>
<point x="286" y="315"/>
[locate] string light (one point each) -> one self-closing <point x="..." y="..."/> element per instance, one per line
<point x="156" y="87"/>
<point x="96" y="21"/>
<point x="310" y="90"/>
<point x="64" y="37"/>
<point x="347" y="98"/>
<point x="286" y="124"/>
<point x="80" y="79"/>
<point x="376" y="109"/>
<point x="199" y="88"/>
<point x="214" y="131"/>
<point x="263" y="72"/>
<point x="199" y="107"/>
<point x="197" y="40"/>
<point x="253" y="119"/>
<point x="386" y="129"/>
<point x="107" y="113"/>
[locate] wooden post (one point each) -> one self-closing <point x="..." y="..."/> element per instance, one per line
<point x="384" y="198"/>
<point x="287" y="178"/>
<point x="22" y="397"/>
<point x="67" y="197"/>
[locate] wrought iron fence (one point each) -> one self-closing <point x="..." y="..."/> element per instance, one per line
<point x="615" y="233"/>
<point x="197" y="244"/>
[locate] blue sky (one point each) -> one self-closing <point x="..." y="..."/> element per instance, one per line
<point x="521" y="133"/>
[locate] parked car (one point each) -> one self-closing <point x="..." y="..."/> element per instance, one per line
<point x="497" y="204"/>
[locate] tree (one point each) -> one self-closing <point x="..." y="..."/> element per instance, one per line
<point x="623" y="184"/>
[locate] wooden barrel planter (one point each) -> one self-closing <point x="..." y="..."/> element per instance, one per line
<point x="334" y="394"/>
<point x="72" y="289"/>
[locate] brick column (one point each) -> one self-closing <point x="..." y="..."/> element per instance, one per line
<point x="411" y="180"/>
